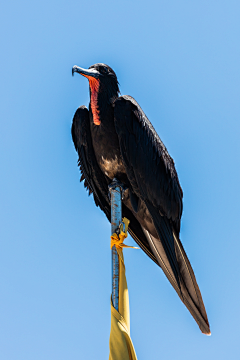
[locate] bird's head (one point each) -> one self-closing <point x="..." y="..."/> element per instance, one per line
<point x="102" y="79"/>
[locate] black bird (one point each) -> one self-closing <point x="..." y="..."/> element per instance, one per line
<point x="115" y="139"/>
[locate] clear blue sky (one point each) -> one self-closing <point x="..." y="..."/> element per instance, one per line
<point x="180" y="60"/>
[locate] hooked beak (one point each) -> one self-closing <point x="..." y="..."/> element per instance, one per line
<point x="85" y="72"/>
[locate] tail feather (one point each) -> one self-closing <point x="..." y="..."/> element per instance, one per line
<point x="192" y="297"/>
<point x="185" y="285"/>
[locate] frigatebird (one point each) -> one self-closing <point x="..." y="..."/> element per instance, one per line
<point x="115" y="139"/>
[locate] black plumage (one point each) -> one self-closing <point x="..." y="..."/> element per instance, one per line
<point x="115" y="139"/>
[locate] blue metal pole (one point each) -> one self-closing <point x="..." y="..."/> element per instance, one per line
<point x="115" y="190"/>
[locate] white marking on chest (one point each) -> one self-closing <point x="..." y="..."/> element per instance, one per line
<point x="112" y="167"/>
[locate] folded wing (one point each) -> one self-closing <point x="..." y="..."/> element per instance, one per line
<point x="154" y="180"/>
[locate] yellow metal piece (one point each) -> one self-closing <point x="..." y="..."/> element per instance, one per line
<point x="125" y="222"/>
<point x="118" y="240"/>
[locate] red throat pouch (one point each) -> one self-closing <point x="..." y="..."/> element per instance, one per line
<point x="94" y="86"/>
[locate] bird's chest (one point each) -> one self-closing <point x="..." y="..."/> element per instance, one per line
<point x="112" y="167"/>
<point x="107" y="151"/>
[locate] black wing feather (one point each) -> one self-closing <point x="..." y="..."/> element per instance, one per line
<point x="94" y="180"/>
<point x="153" y="178"/>
<point x="141" y="150"/>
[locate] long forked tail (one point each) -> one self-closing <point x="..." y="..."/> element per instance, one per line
<point x="191" y="294"/>
<point x="182" y="279"/>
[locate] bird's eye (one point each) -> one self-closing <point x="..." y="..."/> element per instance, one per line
<point x="104" y="70"/>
